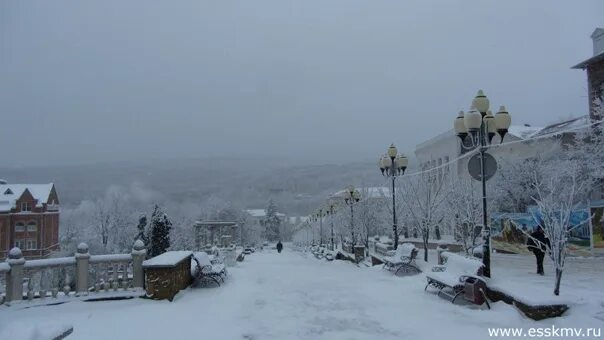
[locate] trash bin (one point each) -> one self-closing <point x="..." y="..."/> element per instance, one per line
<point x="475" y="290"/>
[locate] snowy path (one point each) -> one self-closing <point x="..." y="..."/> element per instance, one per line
<point x="281" y="296"/>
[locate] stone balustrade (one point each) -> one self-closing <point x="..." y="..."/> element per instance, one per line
<point x="80" y="275"/>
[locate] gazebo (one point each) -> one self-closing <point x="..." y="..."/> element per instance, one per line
<point x="206" y="232"/>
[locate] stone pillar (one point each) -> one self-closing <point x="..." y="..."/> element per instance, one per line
<point x="439" y="250"/>
<point x="14" y="278"/>
<point x="82" y="258"/>
<point x="197" y="227"/>
<point x="138" y="256"/>
<point x="359" y="253"/>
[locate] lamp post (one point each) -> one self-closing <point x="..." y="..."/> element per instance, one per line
<point x="351" y="198"/>
<point x="307" y="233"/>
<point x="319" y="215"/>
<point x="393" y="165"/>
<point x="330" y="212"/>
<point x="480" y="126"/>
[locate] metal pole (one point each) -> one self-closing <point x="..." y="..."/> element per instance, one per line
<point x="320" y="226"/>
<point x="331" y="222"/>
<point x="394" y="226"/>
<point x="197" y="236"/>
<point x="352" y="222"/>
<point x="486" y="251"/>
<point x="591" y="228"/>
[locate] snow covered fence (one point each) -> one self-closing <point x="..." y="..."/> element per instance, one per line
<point x="78" y="275"/>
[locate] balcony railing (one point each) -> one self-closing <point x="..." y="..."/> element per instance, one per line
<point x="82" y="275"/>
<point x="52" y="207"/>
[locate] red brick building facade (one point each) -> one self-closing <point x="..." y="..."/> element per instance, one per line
<point x="595" y="72"/>
<point x="29" y="219"/>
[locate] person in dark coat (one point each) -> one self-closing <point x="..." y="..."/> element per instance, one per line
<point x="279" y="246"/>
<point x="538" y="243"/>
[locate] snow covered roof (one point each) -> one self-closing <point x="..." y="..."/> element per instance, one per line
<point x="438" y="138"/>
<point x="168" y="259"/>
<point x="260" y="213"/>
<point x="565" y="125"/>
<point x="10" y="193"/>
<point x="256" y="212"/>
<point x="592" y="60"/>
<point x="298" y="219"/>
<point x="520" y="131"/>
<point x="523" y="131"/>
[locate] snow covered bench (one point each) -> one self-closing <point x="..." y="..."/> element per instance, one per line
<point x="450" y="278"/>
<point x="403" y="260"/>
<point x="319" y="253"/>
<point x="206" y="268"/>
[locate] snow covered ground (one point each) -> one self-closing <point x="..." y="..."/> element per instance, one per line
<point x="292" y="295"/>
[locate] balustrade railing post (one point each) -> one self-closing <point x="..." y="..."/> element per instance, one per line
<point x="138" y="256"/>
<point x="82" y="257"/>
<point x="14" y="278"/>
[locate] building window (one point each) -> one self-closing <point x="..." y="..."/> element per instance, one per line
<point x="19" y="227"/>
<point x="32" y="226"/>
<point x="25" y="206"/>
<point x="8" y="192"/>
<point x="32" y="244"/>
<point x="20" y="244"/>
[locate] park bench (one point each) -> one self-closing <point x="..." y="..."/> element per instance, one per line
<point x="206" y="268"/>
<point x="403" y="260"/>
<point x="319" y="253"/>
<point x="451" y="278"/>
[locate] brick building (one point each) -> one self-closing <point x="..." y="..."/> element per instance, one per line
<point x="595" y="71"/>
<point x="29" y="219"/>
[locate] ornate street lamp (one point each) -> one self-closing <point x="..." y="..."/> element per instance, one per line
<point x="480" y="126"/>
<point x="393" y="165"/>
<point x="352" y="196"/>
<point x="319" y="215"/>
<point x="331" y="213"/>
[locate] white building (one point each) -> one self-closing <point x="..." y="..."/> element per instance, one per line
<point x="257" y="215"/>
<point x="442" y="151"/>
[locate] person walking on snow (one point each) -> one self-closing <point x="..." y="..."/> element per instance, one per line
<point x="279" y="246"/>
<point x="537" y="243"/>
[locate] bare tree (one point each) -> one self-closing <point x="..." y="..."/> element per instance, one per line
<point x="102" y="222"/>
<point x="424" y="203"/>
<point x="556" y="199"/>
<point x="463" y="207"/>
<point x="369" y="213"/>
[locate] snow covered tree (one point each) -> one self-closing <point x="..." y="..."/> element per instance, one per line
<point x="424" y="203"/>
<point x="272" y="223"/>
<point x="464" y="211"/>
<point x="587" y="149"/>
<point x="556" y="199"/>
<point x="512" y="187"/>
<point x="369" y="214"/>
<point x="122" y="219"/>
<point x="159" y="232"/>
<point x="142" y="232"/>
<point x="76" y="226"/>
<point x="102" y="223"/>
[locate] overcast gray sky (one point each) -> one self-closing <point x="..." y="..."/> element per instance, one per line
<point x="84" y="81"/>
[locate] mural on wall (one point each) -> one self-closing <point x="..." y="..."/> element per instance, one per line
<point x="597" y="220"/>
<point x="510" y="231"/>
